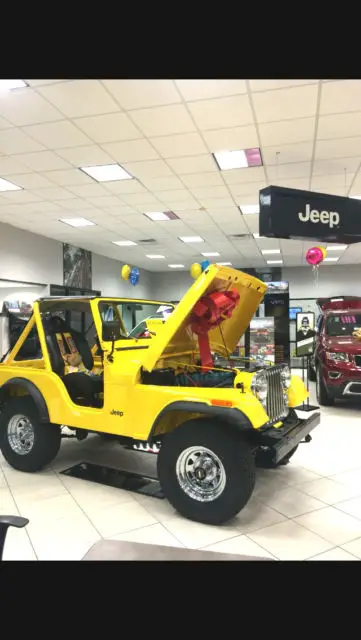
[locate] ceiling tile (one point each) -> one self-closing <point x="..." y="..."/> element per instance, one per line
<point x="177" y="195"/>
<point x="339" y="148"/>
<point x="112" y="127"/>
<point x="57" y="135"/>
<point x="186" y="144"/>
<point x="342" y="125"/>
<point x="222" y="112"/>
<point x="210" y="192"/>
<point x="77" y="204"/>
<point x="78" y="98"/>
<point x="287" y="171"/>
<point x="240" y="176"/>
<point x="338" y="180"/>
<point x="246" y="188"/>
<point x="301" y="152"/>
<point x="268" y="85"/>
<point x="203" y="179"/>
<point x="193" y="164"/>
<point x="182" y="205"/>
<point x="149" y="169"/>
<point x="124" y="186"/>
<point x="88" y="190"/>
<point x="54" y="193"/>
<point x="140" y="198"/>
<point x="43" y="161"/>
<point x="10" y="166"/>
<point x="86" y="156"/>
<point x="215" y="203"/>
<point x="22" y="196"/>
<point x="168" y="183"/>
<point x="293" y="183"/>
<point x="121" y="210"/>
<point x="287" y="131"/>
<point x="163" y="120"/>
<point x="232" y="139"/>
<point x="340" y="96"/>
<point x="68" y="177"/>
<point x="137" y="94"/>
<point x="13" y="141"/>
<point x="286" y="104"/>
<point x="5" y="124"/>
<point x="25" y="106"/>
<point x="205" y="89"/>
<point x="38" y="83"/>
<point x="105" y="201"/>
<point x="31" y="181"/>
<point x="131" y="151"/>
<point x="328" y="166"/>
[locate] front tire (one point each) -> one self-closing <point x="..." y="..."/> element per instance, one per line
<point x="323" y="398"/>
<point x="206" y="471"/>
<point x="26" y="443"/>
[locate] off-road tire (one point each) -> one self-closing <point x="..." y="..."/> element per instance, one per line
<point x="235" y="455"/>
<point x="323" y="397"/>
<point x="47" y="436"/>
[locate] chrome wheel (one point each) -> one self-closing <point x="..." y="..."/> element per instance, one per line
<point x="20" y="435"/>
<point x="201" y="474"/>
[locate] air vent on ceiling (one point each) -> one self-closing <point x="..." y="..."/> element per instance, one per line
<point x="147" y="241"/>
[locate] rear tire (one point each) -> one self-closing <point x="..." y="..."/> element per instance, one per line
<point x="26" y="443"/>
<point x="206" y="471"/>
<point x="323" y="398"/>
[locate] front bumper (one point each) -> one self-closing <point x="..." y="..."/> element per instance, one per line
<point x="281" y="441"/>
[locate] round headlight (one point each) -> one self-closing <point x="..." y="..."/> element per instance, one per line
<point x="286" y="377"/>
<point x="259" y="386"/>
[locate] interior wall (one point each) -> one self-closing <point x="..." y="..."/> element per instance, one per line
<point x="27" y="257"/>
<point x="331" y="281"/>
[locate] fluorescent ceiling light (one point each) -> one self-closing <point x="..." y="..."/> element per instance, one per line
<point x="224" y="264"/>
<point x="155" y="256"/>
<point x="8" y="85"/>
<point x="238" y="159"/>
<point x="161" y="216"/>
<point x="356" y="197"/>
<point x="191" y="239"/>
<point x="269" y="251"/>
<point x="5" y="185"/>
<point x="274" y="261"/>
<point x="210" y="254"/>
<point x="77" y="222"/>
<point x="331" y="260"/>
<point x="124" y="243"/>
<point x="337" y="247"/>
<point x="248" y="209"/>
<point x="176" y="266"/>
<point x="107" y="173"/>
<point x="256" y="236"/>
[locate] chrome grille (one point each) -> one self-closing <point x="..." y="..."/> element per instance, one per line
<point x="277" y="405"/>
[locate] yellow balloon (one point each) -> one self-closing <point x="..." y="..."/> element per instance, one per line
<point x="126" y="271"/>
<point x="196" y="270"/>
<point x="324" y="252"/>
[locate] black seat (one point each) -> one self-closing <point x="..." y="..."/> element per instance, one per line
<point x="83" y="389"/>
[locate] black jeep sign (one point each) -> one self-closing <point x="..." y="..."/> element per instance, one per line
<point x="306" y="215"/>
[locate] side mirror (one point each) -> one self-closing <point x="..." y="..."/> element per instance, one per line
<point x="111" y="331"/>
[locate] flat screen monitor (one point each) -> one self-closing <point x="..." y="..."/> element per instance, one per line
<point x="294" y="311"/>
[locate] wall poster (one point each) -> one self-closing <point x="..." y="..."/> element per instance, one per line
<point x="305" y="334"/>
<point x="77" y="267"/>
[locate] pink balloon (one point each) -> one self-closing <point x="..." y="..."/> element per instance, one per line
<point x="314" y="256"/>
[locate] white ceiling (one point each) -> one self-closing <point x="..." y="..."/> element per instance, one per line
<point x="164" y="132"/>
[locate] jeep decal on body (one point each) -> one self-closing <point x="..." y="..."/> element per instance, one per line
<point x="114" y="412"/>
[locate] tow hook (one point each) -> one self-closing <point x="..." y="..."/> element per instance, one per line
<point x="308" y="438"/>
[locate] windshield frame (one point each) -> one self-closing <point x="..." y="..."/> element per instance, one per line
<point x="117" y="305"/>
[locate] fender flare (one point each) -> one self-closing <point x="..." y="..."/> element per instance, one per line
<point x="33" y="391"/>
<point x="226" y="414"/>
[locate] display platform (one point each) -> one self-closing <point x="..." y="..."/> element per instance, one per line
<point x="109" y="477"/>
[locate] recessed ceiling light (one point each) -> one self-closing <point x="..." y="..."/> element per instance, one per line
<point x="8" y="85"/>
<point x="124" y="243"/>
<point x="248" y="209"/>
<point x="256" y="236"/>
<point x="191" y="239"/>
<point x="176" y="266"/>
<point x="331" y="260"/>
<point x="269" y="251"/>
<point x="337" y="247"/>
<point x="238" y="159"/>
<point x="274" y="261"/>
<point x="5" y="185"/>
<point x="107" y="173"/>
<point x="210" y="254"/>
<point x="224" y="264"/>
<point x="155" y="256"/>
<point x="161" y="216"/>
<point x="77" y="222"/>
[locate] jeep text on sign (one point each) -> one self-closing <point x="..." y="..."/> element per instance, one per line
<point x="292" y="213"/>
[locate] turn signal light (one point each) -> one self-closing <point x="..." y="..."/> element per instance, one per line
<point x="222" y="403"/>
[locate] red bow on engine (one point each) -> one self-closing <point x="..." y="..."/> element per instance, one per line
<point x="207" y="314"/>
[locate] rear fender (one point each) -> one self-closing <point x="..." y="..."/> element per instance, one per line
<point x="22" y="386"/>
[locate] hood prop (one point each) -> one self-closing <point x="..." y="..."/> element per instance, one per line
<point x="208" y="313"/>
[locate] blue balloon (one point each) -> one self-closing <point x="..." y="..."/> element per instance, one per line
<point x="205" y="264"/>
<point x="134" y="276"/>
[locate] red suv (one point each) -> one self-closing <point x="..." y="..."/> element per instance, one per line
<point x="336" y="362"/>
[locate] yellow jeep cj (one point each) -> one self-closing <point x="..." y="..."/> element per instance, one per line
<point x="142" y="372"/>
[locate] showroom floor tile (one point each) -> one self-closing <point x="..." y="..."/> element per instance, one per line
<point x="309" y="509"/>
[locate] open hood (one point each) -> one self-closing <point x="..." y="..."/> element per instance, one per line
<point x="339" y="303"/>
<point x="176" y="337"/>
